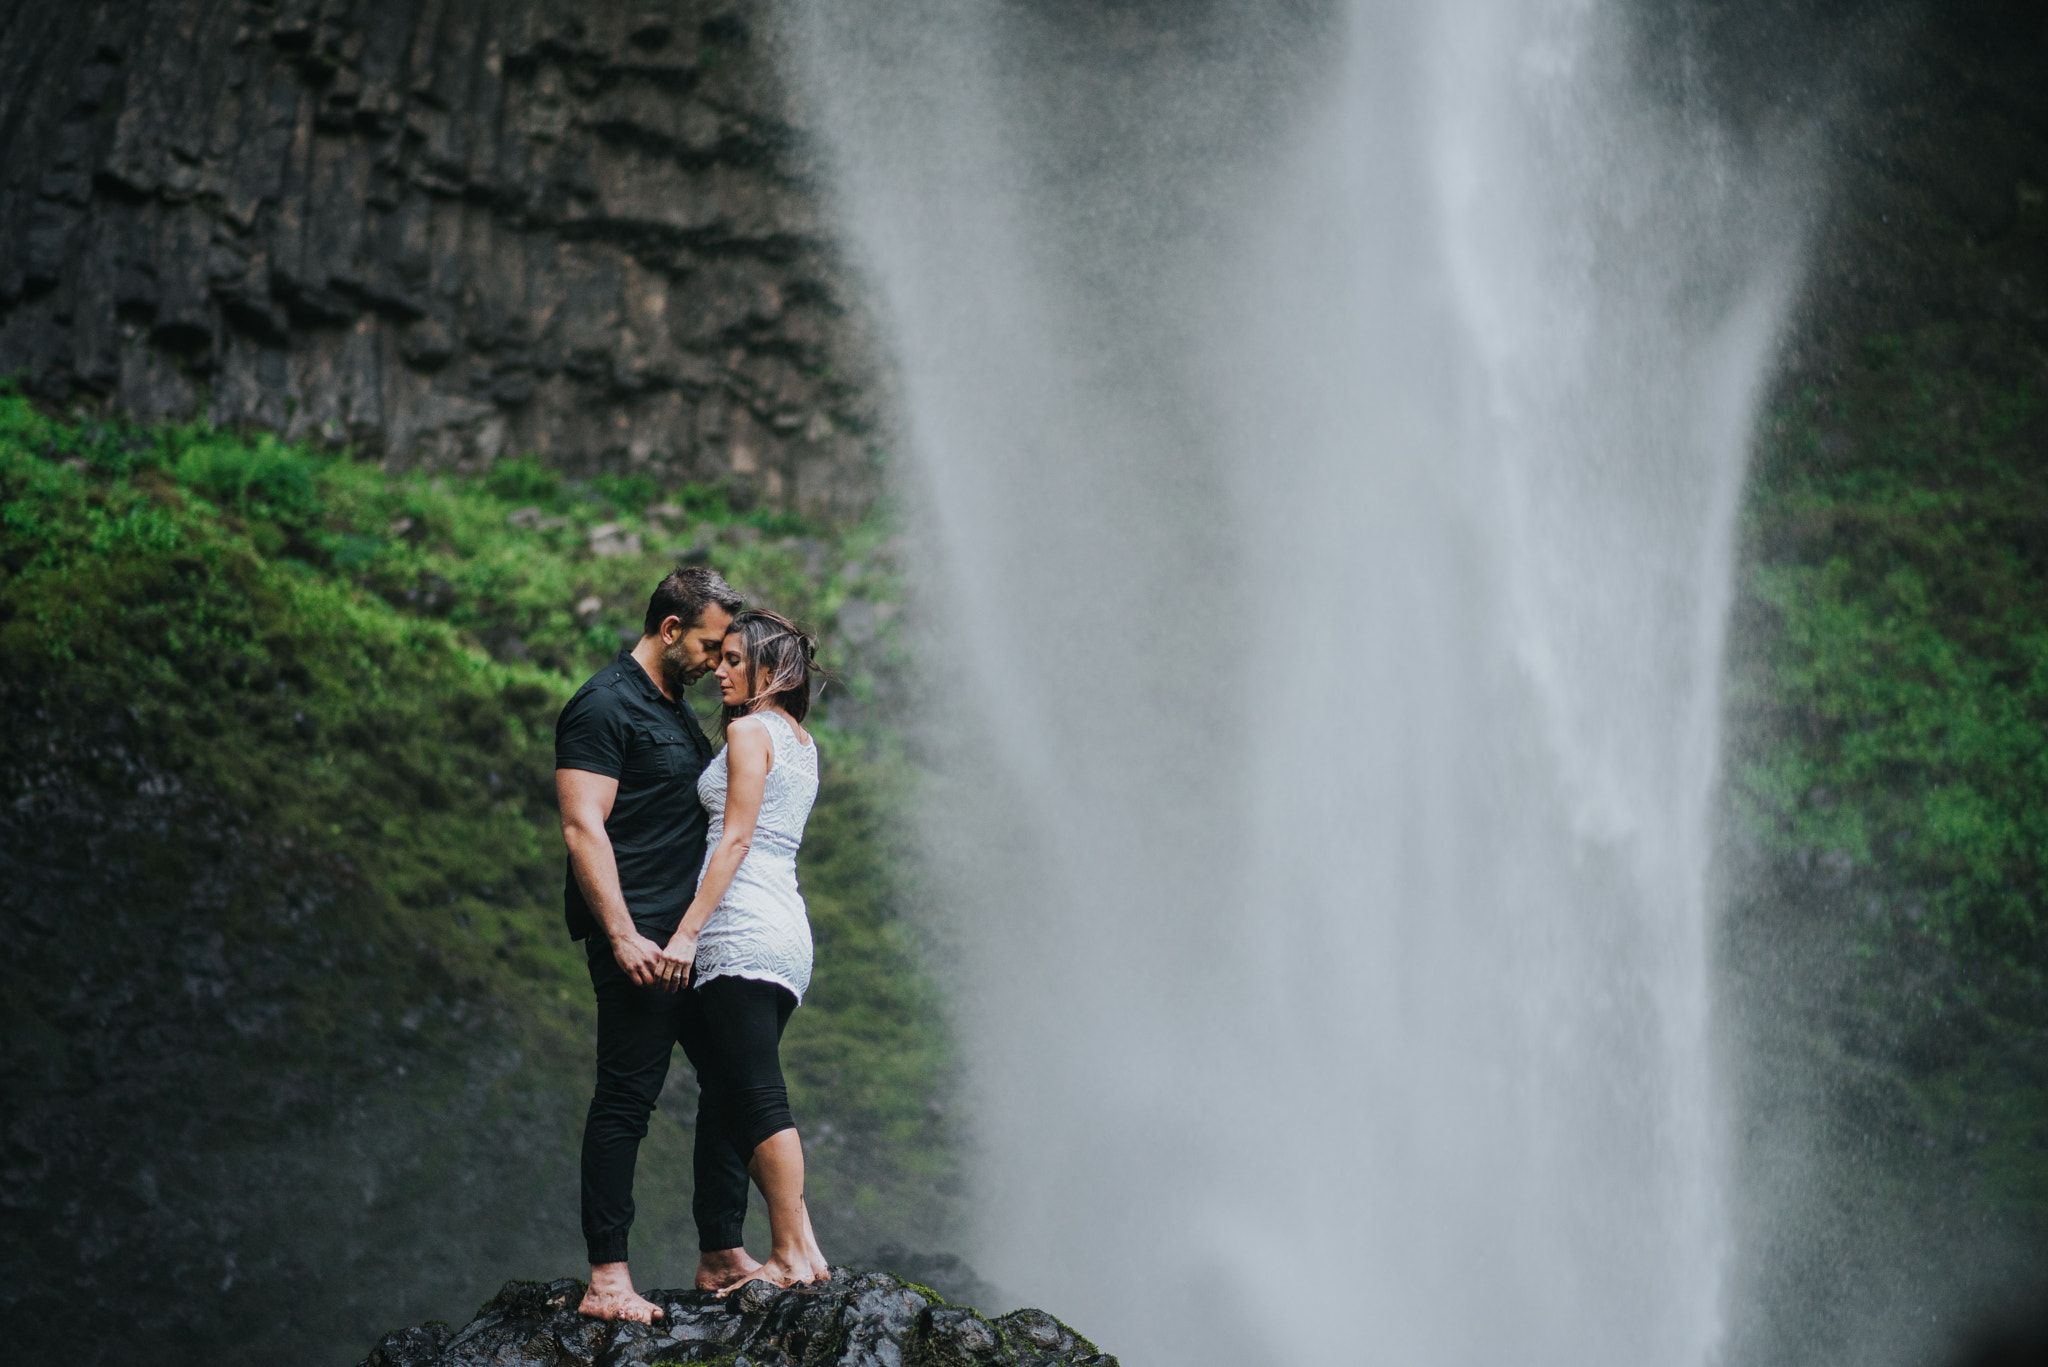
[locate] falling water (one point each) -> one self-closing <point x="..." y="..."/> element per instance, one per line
<point x="1332" y="423"/>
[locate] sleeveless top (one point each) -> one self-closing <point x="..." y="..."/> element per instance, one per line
<point x="761" y="930"/>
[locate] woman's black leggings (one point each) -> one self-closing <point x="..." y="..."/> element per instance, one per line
<point x="740" y="1071"/>
<point x="730" y="1029"/>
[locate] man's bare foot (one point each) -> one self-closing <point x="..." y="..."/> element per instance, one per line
<point x="611" y="1296"/>
<point x="724" y="1268"/>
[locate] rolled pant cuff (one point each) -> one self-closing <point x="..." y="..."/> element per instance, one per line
<point x="611" y="1249"/>
<point x="721" y="1237"/>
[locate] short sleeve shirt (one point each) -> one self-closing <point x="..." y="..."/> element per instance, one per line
<point x="621" y="726"/>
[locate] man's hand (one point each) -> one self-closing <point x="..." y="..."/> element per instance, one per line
<point x="679" y="958"/>
<point x="642" y="959"/>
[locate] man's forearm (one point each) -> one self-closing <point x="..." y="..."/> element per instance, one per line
<point x="597" y="874"/>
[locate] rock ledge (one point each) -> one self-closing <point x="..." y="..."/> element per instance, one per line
<point x="858" y="1319"/>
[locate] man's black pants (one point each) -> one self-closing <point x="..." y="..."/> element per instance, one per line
<point x="638" y="1029"/>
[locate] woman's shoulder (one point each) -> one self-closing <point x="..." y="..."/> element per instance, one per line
<point x="757" y="737"/>
<point x="748" y="733"/>
<point x="750" y="739"/>
<point x="766" y="722"/>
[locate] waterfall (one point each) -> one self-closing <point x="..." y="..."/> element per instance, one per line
<point x="1331" y="422"/>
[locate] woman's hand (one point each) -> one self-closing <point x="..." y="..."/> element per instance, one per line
<point x="676" y="960"/>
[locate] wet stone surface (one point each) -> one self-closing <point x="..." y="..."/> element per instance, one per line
<point x="858" y="1319"/>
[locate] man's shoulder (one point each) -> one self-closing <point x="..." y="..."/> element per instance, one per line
<point x="601" y="691"/>
<point x="606" y="680"/>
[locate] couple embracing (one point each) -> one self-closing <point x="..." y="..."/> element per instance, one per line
<point x="682" y="883"/>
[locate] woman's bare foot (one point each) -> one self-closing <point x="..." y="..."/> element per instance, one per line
<point x="775" y="1272"/>
<point x="777" y="1167"/>
<point x="611" y="1296"/>
<point x="723" y="1269"/>
<point x="820" y="1270"/>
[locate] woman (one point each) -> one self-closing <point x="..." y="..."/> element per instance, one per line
<point x="744" y="945"/>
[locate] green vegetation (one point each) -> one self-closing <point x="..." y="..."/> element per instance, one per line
<point x="1893" y="734"/>
<point x="1909" y="588"/>
<point x="308" y="707"/>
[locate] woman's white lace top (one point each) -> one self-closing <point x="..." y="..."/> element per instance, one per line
<point x="761" y="930"/>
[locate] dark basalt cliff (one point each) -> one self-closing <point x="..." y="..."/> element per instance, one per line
<point x="858" y="1319"/>
<point x="436" y="229"/>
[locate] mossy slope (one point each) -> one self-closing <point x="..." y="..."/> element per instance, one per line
<point x="288" y="1000"/>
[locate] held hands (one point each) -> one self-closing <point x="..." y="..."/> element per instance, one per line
<point x="678" y="959"/>
<point x="651" y="965"/>
<point x="645" y="962"/>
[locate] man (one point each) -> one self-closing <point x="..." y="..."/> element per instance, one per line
<point x="628" y="752"/>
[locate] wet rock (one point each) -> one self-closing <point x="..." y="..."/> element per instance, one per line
<point x="1043" y="1333"/>
<point x="953" y="1333"/>
<point x="410" y="1347"/>
<point x="946" y="1273"/>
<point x="857" y="1319"/>
<point x="1040" y="1338"/>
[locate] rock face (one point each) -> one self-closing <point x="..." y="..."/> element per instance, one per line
<point x="858" y="1319"/>
<point x="440" y="230"/>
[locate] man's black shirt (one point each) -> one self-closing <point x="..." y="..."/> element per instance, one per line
<point x="621" y="726"/>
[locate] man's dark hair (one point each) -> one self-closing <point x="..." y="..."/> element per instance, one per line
<point x="686" y="592"/>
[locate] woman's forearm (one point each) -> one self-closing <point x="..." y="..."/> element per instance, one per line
<point x="718" y="875"/>
<point x="747" y="761"/>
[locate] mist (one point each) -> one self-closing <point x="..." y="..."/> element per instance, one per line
<point x="1332" y="424"/>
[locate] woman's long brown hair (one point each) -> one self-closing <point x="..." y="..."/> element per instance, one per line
<point x="780" y="659"/>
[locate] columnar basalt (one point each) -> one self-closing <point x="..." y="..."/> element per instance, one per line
<point x="438" y="230"/>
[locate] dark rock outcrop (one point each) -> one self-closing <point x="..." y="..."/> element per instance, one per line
<point x="858" y="1319"/>
<point x="440" y="230"/>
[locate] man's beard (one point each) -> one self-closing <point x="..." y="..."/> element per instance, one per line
<point x="675" y="668"/>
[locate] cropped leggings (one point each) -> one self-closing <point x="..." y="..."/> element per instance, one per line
<point x="730" y="1030"/>
<point x="740" y="1074"/>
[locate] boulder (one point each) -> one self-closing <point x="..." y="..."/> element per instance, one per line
<point x="857" y="1319"/>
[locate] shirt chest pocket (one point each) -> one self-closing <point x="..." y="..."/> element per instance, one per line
<point x="664" y="751"/>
